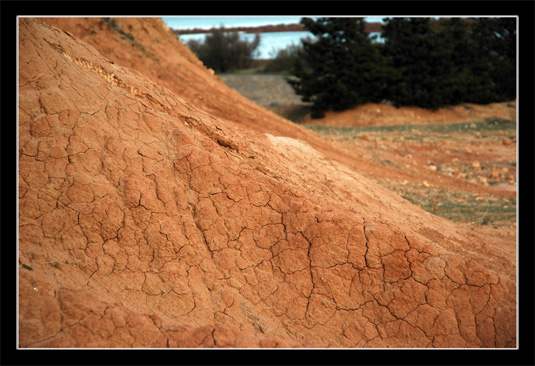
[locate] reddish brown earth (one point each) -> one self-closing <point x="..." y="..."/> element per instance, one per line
<point x="160" y="208"/>
<point x="372" y="114"/>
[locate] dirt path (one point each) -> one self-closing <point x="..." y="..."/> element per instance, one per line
<point x="269" y="91"/>
<point x="265" y="90"/>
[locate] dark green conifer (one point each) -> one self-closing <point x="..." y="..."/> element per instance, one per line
<point x="464" y="77"/>
<point x="414" y="53"/>
<point x="340" y="68"/>
<point x="496" y="41"/>
<point x="450" y="61"/>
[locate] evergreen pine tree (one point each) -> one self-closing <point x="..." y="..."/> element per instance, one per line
<point x="450" y="62"/>
<point x="496" y="41"/>
<point x="414" y="52"/>
<point x="465" y="77"/>
<point x="340" y="68"/>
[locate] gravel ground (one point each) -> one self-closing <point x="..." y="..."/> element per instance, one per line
<point x="266" y="90"/>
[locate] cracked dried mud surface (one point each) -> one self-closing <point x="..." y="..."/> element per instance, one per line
<point x="159" y="208"/>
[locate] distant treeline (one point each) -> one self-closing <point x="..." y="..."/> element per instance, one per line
<point x="424" y="63"/>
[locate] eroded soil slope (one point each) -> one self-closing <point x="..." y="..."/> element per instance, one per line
<point x="151" y="217"/>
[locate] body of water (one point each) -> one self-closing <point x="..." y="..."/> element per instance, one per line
<point x="270" y="42"/>
<point x="193" y="22"/>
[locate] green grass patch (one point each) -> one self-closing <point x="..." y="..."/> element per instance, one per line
<point x="464" y="207"/>
<point x="442" y="128"/>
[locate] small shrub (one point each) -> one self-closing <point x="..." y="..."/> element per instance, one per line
<point x="224" y="51"/>
<point x="114" y="26"/>
<point x="125" y="35"/>
<point x="284" y="59"/>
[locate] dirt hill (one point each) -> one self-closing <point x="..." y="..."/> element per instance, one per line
<point x="160" y="208"/>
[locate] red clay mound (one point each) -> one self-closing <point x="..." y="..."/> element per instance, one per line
<point x="372" y="114"/>
<point x="149" y="217"/>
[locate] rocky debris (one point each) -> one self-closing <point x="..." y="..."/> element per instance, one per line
<point x="148" y="221"/>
